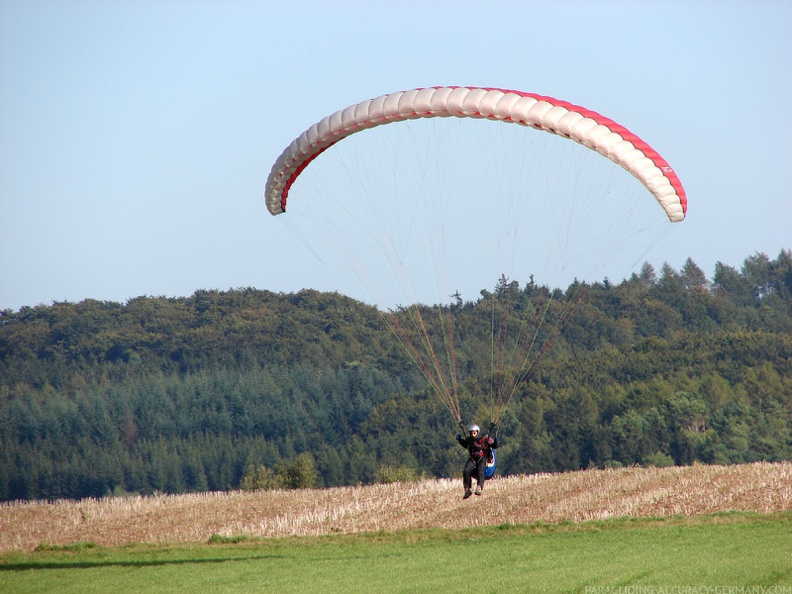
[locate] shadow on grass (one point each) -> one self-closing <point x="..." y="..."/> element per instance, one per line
<point x="27" y="565"/>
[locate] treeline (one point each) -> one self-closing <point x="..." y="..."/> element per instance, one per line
<point x="188" y="394"/>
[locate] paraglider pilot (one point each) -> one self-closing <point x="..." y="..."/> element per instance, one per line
<point x="480" y="449"/>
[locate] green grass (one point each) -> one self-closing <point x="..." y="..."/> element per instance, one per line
<point x="727" y="550"/>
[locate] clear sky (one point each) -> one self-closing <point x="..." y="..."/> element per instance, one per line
<point x="136" y="137"/>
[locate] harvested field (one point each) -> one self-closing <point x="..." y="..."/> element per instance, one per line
<point x="552" y="498"/>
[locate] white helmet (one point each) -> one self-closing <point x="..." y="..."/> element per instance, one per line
<point x="474" y="427"/>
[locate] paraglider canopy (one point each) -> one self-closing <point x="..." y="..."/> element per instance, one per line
<point x="543" y="113"/>
<point x="523" y="322"/>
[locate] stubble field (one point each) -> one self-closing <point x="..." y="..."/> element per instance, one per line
<point x="575" y="497"/>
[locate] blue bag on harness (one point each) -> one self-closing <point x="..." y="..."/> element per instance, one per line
<point x="489" y="469"/>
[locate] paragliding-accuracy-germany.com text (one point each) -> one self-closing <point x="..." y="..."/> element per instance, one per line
<point x="679" y="589"/>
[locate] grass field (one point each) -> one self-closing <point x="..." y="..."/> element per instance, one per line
<point x="678" y="530"/>
<point x="729" y="552"/>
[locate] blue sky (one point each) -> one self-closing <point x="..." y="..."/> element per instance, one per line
<point x="136" y="137"/>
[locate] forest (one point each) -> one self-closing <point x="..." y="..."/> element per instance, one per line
<point x="172" y="395"/>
